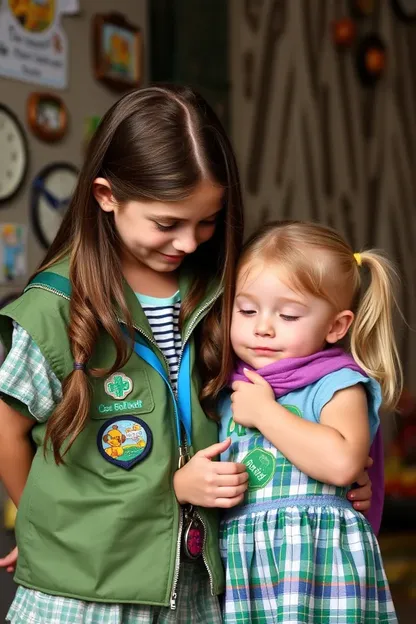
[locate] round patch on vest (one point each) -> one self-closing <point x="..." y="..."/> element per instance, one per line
<point x="118" y="386"/>
<point x="125" y="441"/>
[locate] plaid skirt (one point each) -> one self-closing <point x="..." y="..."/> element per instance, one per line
<point x="304" y="564"/>
<point x="195" y="605"/>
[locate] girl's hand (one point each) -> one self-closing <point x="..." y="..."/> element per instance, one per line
<point x="249" y="400"/>
<point x="361" y="496"/>
<point x="9" y="562"/>
<point x="211" y="484"/>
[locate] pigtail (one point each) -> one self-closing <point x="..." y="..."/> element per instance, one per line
<point x="373" y="344"/>
<point x="96" y="279"/>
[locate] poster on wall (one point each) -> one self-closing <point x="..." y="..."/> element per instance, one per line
<point x="13" y="242"/>
<point x="33" y="45"/>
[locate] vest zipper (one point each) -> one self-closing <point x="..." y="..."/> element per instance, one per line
<point x="191" y="327"/>
<point x="183" y="458"/>
<point x="183" y="453"/>
<point x="49" y="289"/>
<point x="174" y="595"/>
<point x="211" y="581"/>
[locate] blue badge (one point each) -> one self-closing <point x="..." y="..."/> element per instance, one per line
<point x="124" y="441"/>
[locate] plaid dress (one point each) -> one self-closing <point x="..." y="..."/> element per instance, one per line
<point x="296" y="552"/>
<point x="27" y="378"/>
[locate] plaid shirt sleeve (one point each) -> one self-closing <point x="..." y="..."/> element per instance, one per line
<point x="26" y="376"/>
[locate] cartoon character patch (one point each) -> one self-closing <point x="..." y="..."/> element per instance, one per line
<point x="125" y="441"/>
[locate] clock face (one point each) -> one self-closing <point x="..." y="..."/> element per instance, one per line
<point x="13" y="154"/>
<point x="52" y="191"/>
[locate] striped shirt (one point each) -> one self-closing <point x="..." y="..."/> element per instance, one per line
<point x="163" y="317"/>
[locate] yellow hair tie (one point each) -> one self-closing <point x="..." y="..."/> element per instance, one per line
<point x="358" y="259"/>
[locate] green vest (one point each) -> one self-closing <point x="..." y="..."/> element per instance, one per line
<point x="106" y="525"/>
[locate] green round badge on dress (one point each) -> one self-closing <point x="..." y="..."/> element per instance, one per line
<point x="118" y="386"/>
<point x="261" y="466"/>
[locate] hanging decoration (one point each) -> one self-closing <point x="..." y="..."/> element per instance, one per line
<point x="344" y="32"/>
<point x="118" y="51"/>
<point x="371" y="59"/>
<point x="13" y="246"/>
<point x="47" y="116"/>
<point x="405" y="9"/>
<point x="34" y="47"/>
<point x="363" y="8"/>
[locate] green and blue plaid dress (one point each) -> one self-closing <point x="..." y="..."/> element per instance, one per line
<point x="27" y="377"/>
<point x="297" y="552"/>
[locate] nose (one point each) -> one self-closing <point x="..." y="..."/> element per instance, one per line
<point x="186" y="242"/>
<point x="264" y="327"/>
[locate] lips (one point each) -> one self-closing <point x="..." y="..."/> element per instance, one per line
<point x="172" y="258"/>
<point x="264" y="350"/>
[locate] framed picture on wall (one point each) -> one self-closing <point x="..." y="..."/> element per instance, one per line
<point x="47" y="116"/>
<point x="117" y="51"/>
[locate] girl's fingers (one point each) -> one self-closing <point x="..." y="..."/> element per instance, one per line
<point x="228" y="468"/>
<point x="227" y="503"/>
<point x="231" y="492"/>
<point x="362" y="505"/>
<point x="361" y="493"/>
<point x="231" y="480"/>
<point x="9" y="561"/>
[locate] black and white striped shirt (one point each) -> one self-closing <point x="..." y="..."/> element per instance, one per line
<point x="163" y="318"/>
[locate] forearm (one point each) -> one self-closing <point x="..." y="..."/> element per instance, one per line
<point x="317" y="450"/>
<point x="15" y="461"/>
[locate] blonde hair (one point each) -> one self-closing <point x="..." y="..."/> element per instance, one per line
<point x="317" y="260"/>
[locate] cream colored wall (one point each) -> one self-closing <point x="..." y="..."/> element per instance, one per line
<point x="313" y="143"/>
<point x="84" y="97"/>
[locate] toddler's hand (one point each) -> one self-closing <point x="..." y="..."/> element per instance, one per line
<point x="211" y="484"/>
<point x="362" y="494"/>
<point x="249" y="400"/>
<point x="9" y="562"/>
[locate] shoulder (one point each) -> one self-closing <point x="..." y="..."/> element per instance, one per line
<point x="48" y="293"/>
<point x="343" y="379"/>
<point x="350" y="387"/>
<point x="43" y="312"/>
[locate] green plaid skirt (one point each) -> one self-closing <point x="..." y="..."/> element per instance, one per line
<point x="195" y="605"/>
<point x="303" y="560"/>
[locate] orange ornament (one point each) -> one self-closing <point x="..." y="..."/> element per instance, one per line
<point x="343" y="32"/>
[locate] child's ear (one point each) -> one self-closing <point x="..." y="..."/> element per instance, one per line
<point x="102" y="192"/>
<point x="340" y="326"/>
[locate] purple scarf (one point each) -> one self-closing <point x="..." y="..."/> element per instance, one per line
<point x="295" y="373"/>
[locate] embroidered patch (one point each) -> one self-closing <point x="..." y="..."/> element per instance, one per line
<point x="125" y="441"/>
<point x="118" y="386"/>
<point x="239" y="429"/>
<point x="261" y="466"/>
<point x="293" y="409"/>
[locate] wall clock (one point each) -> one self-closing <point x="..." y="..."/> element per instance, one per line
<point x="13" y="154"/>
<point x="51" y="194"/>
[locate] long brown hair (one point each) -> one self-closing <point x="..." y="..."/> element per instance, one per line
<point x="155" y="143"/>
<point x="319" y="261"/>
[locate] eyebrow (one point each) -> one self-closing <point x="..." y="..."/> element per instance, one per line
<point x="175" y="218"/>
<point x="282" y="299"/>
